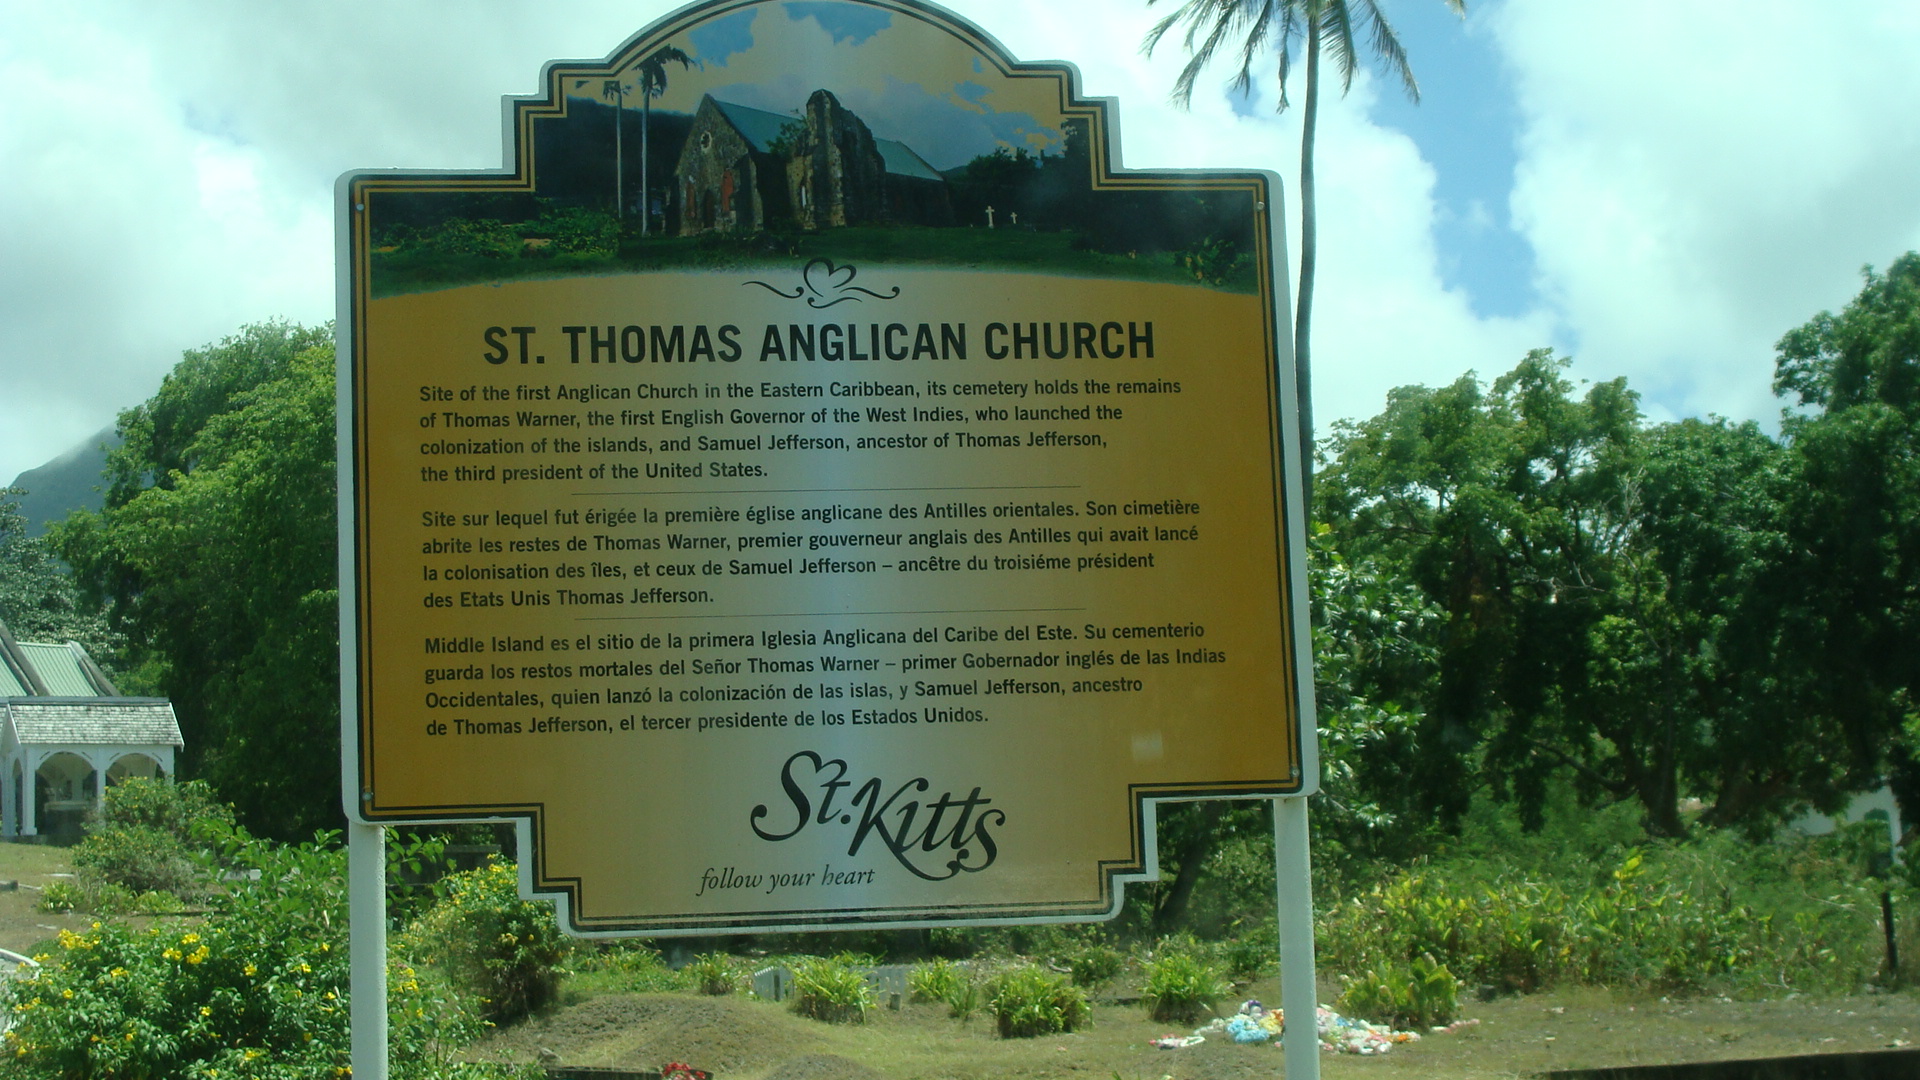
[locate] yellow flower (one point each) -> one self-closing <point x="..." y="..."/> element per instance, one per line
<point x="67" y="994"/>
<point x="206" y="1010"/>
<point x="199" y="954"/>
<point x="117" y="972"/>
<point x="171" y="954"/>
<point x="190" y="939"/>
<point x="249" y="970"/>
<point x="306" y="969"/>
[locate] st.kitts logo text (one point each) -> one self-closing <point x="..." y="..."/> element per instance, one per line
<point x="933" y="839"/>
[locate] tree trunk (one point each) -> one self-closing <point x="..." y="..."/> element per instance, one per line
<point x="646" y="121"/>
<point x="1303" y="305"/>
<point x="619" y="165"/>
<point x="1195" y="846"/>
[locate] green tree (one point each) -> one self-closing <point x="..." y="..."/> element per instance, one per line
<point x="1609" y="597"/>
<point x="38" y="600"/>
<point x="216" y="553"/>
<point x="1254" y="27"/>
<point x="653" y="83"/>
<point x="1852" y="382"/>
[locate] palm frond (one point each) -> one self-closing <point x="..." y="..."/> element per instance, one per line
<point x="1386" y="45"/>
<point x="1336" y="39"/>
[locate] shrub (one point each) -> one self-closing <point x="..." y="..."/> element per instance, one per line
<point x="712" y="973"/>
<point x="143" y="840"/>
<point x="832" y="990"/>
<point x="1182" y="987"/>
<point x="1417" y="995"/>
<point x="258" y="988"/>
<point x="484" y="238"/>
<point x="1030" y="1001"/>
<point x="175" y="808"/>
<point x="944" y="981"/>
<point x="578" y="231"/>
<point x="139" y="858"/>
<point x="1522" y="934"/>
<point x="1249" y="952"/>
<point x="503" y="950"/>
<point x="1094" y="964"/>
<point x="624" y="967"/>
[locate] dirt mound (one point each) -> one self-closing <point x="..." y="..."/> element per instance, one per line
<point x="644" y="1031"/>
<point x="822" y="1067"/>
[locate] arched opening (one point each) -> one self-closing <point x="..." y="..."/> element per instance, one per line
<point x="133" y="766"/>
<point x="65" y="787"/>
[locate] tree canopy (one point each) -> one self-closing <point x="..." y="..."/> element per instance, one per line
<point x="216" y="556"/>
<point x="38" y="600"/>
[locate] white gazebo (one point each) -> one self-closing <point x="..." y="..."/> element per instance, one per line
<point x="66" y="735"/>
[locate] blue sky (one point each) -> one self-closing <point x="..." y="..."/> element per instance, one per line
<point x="1660" y="205"/>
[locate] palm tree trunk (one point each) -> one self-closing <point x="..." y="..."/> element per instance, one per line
<point x="1303" y="308"/>
<point x="646" y="121"/>
<point x="619" y="165"/>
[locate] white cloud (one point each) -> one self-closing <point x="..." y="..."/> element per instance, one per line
<point x="1696" y="179"/>
<point x="170" y="168"/>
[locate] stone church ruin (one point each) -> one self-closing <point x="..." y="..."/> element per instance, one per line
<point x="745" y="170"/>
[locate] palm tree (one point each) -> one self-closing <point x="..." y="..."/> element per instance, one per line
<point x="1258" y="25"/>
<point x="653" y="83"/>
<point x="616" y="91"/>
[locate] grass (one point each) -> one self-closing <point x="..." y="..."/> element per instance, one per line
<point x="403" y="271"/>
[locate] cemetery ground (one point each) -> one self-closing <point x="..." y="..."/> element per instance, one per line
<point x="1516" y="1036"/>
<point x="597" y="1021"/>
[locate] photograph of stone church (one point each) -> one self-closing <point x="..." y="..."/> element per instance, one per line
<point x="747" y="170"/>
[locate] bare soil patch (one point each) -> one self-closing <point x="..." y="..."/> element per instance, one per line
<point x="752" y="1040"/>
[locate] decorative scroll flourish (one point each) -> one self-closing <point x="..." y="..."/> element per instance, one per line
<point x="823" y="285"/>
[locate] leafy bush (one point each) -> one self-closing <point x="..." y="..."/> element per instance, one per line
<point x="712" y="973"/>
<point x="485" y="238"/>
<point x="1031" y="1001"/>
<point x="1181" y="987"/>
<point x="623" y="967"/>
<point x="1769" y="917"/>
<point x="1248" y="952"/>
<point x="143" y="841"/>
<point x="1094" y="964"/>
<point x="578" y="231"/>
<point x="174" y="808"/>
<point x="1418" y="995"/>
<point x="139" y="858"/>
<point x="944" y="981"/>
<point x="106" y="898"/>
<point x="503" y="950"/>
<point x="257" y="989"/>
<point x="831" y="989"/>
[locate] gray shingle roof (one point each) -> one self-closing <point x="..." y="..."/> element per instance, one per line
<point x="96" y="721"/>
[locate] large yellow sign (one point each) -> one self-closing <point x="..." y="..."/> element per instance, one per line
<point x="834" y="503"/>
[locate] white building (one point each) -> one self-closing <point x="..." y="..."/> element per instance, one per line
<point x="66" y="735"/>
